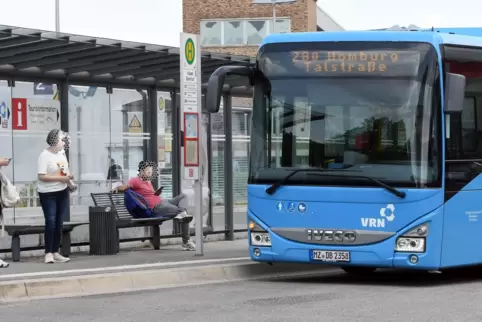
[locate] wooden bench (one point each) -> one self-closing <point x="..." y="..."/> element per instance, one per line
<point x="17" y="230"/>
<point x="124" y="218"/>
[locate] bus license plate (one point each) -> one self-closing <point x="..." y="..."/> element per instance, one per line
<point x="330" y="256"/>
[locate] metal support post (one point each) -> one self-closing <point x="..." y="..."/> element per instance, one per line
<point x="125" y="141"/>
<point x="146" y="126"/>
<point x="64" y="108"/>
<point x="176" y="153"/>
<point x="15" y="240"/>
<point x="152" y="111"/>
<point x="228" y="168"/>
<point x="176" y="144"/>
<point x="210" y="170"/>
<point x="64" y="126"/>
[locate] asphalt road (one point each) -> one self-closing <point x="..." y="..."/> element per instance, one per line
<point x="331" y="296"/>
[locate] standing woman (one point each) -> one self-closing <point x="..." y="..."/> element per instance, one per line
<point x="3" y="163"/>
<point x="54" y="178"/>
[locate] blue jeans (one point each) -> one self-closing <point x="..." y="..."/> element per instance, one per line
<point x="55" y="206"/>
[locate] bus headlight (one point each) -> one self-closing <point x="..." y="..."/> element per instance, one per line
<point x="410" y="245"/>
<point x="259" y="236"/>
<point x="260" y="239"/>
<point x="413" y="241"/>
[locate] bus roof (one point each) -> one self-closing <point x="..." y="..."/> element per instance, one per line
<point x="477" y="32"/>
<point x="433" y="37"/>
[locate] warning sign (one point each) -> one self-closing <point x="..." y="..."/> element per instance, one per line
<point x="135" y="125"/>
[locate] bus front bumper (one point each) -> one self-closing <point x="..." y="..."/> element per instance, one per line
<point x="380" y="255"/>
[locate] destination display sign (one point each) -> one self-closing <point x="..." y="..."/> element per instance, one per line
<point x="388" y="62"/>
<point x="346" y="63"/>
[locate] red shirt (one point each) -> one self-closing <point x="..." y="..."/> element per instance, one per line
<point x="145" y="189"/>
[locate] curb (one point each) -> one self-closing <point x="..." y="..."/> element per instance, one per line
<point x="130" y="245"/>
<point x="95" y="284"/>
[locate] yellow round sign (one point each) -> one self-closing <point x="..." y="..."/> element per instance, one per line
<point x="190" y="51"/>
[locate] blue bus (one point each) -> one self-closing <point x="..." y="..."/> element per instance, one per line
<point x="365" y="149"/>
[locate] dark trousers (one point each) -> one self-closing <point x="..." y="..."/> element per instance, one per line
<point x="55" y="206"/>
<point x="173" y="207"/>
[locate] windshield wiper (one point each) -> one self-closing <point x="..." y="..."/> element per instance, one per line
<point x="270" y="190"/>
<point x="395" y="191"/>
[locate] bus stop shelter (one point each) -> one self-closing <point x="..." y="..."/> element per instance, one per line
<point x="44" y="57"/>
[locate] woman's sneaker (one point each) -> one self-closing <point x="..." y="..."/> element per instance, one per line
<point x="49" y="258"/>
<point x="60" y="259"/>
<point x="190" y="246"/>
<point x="181" y="215"/>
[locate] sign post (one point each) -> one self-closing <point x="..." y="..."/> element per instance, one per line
<point x="190" y="55"/>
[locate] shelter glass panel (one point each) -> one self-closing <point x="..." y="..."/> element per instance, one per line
<point x="164" y="142"/>
<point x="34" y="111"/>
<point x="164" y="149"/>
<point x="6" y="140"/>
<point x="128" y="138"/>
<point x="89" y="128"/>
<point x="217" y="159"/>
<point x="240" y="121"/>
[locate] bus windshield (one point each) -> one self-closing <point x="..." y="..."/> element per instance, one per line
<point x="360" y="108"/>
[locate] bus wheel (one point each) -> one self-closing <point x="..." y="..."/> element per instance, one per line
<point x="358" y="270"/>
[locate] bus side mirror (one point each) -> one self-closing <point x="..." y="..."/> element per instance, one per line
<point x="216" y="84"/>
<point x="454" y="93"/>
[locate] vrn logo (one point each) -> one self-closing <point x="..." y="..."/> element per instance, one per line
<point x="387" y="213"/>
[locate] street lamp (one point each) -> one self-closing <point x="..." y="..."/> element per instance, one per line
<point x="273" y="3"/>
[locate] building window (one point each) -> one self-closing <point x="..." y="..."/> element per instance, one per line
<point x="240" y="32"/>
<point x="255" y="32"/>
<point x="211" y="31"/>
<point x="283" y="26"/>
<point x="233" y="32"/>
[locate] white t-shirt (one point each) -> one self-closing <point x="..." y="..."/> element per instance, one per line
<point x="52" y="164"/>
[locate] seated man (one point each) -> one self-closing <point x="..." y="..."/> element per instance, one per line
<point x="142" y="185"/>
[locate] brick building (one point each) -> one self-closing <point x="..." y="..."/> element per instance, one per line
<point x="238" y="26"/>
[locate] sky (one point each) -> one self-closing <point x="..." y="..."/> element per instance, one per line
<point x="160" y="21"/>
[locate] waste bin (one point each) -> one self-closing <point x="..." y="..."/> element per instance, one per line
<point x="102" y="231"/>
